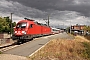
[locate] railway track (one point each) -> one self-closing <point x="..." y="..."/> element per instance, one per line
<point x="8" y="47"/>
<point x="13" y="45"/>
<point x="3" y="49"/>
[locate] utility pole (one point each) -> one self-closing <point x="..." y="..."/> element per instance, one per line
<point x="11" y="25"/>
<point x="70" y="27"/>
<point x="48" y="20"/>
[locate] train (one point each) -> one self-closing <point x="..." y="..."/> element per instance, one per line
<point x="55" y="31"/>
<point x="27" y="29"/>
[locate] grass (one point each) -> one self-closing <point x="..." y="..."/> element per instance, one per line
<point x="87" y="37"/>
<point x="86" y="53"/>
<point x="61" y="49"/>
<point x="0" y="52"/>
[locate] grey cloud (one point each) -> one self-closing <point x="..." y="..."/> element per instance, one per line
<point x="21" y="10"/>
<point x="57" y="9"/>
<point x="81" y="6"/>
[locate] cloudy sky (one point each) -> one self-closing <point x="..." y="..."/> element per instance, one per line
<point x="61" y="12"/>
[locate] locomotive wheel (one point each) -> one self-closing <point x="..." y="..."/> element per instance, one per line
<point x="20" y="41"/>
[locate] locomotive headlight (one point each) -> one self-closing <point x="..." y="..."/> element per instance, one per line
<point x="24" y="32"/>
<point x="15" y="32"/>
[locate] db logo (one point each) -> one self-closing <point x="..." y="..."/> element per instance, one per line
<point x="18" y="32"/>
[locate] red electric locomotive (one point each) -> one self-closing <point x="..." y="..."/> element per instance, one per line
<point x="28" y="29"/>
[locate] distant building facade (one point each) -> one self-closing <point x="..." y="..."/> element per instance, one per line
<point x="78" y="28"/>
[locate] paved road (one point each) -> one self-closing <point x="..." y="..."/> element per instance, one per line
<point x="30" y="47"/>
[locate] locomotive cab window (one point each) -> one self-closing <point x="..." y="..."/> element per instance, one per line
<point x="31" y="26"/>
<point x="21" y="25"/>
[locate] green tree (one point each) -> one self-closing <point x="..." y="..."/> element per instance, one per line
<point x="5" y="25"/>
<point x="14" y="24"/>
<point x="68" y="29"/>
<point x="0" y="27"/>
<point x="87" y="28"/>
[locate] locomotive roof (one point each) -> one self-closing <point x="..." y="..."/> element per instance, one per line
<point x="33" y="21"/>
<point x="41" y="24"/>
<point x="29" y="19"/>
<point x="25" y="21"/>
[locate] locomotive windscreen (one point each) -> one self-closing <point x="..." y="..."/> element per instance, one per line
<point x="21" y="25"/>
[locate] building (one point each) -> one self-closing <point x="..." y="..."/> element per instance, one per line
<point x="78" y="28"/>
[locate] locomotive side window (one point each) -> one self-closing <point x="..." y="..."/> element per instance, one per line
<point x="21" y="25"/>
<point x="31" y="26"/>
